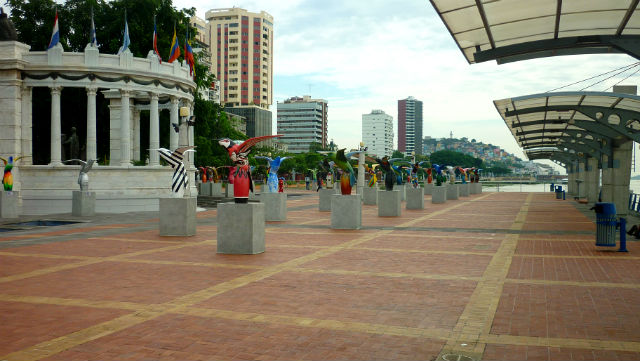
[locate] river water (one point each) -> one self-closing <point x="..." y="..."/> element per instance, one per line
<point x="634" y="185"/>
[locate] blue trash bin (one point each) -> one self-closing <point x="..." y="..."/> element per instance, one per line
<point x="606" y="223"/>
<point x="551" y="187"/>
<point x="558" y="192"/>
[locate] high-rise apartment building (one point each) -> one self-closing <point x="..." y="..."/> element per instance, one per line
<point x="377" y="133"/>
<point x="410" y="125"/>
<point x="241" y="46"/>
<point x="302" y="121"/>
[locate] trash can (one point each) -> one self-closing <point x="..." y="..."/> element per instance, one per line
<point x="606" y="223"/>
<point x="551" y="187"/>
<point x="558" y="192"/>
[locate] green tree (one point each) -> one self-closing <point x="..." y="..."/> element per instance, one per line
<point x="449" y="157"/>
<point x="397" y="154"/>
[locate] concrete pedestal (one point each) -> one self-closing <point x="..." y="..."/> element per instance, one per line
<point x="241" y="228"/>
<point x="275" y="206"/>
<point x="476" y="188"/>
<point x="228" y="191"/>
<point x="452" y="191"/>
<point x="346" y="211"/>
<point x="463" y="189"/>
<point x="439" y="194"/>
<point x="336" y="189"/>
<point x="389" y="203"/>
<point x="83" y="204"/>
<point x="403" y="193"/>
<point x="205" y="189"/>
<point x="178" y="216"/>
<point x="370" y="196"/>
<point x="428" y="188"/>
<point x="415" y="198"/>
<point x="324" y="205"/>
<point x="216" y="189"/>
<point x="9" y="204"/>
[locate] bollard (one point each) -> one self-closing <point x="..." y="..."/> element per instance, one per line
<point x="564" y="195"/>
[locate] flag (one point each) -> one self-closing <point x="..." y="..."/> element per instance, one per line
<point x="125" y="38"/>
<point x="188" y="54"/>
<point x="175" y="48"/>
<point x="55" y="35"/>
<point x="92" y="36"/>
<point x="155" y="41"/>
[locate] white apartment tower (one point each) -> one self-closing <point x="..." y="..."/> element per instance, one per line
<point x="241" y="46"/>
<point x="377" y="133"/>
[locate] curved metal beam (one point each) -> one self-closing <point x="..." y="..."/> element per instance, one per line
<point x="628" y="44"/>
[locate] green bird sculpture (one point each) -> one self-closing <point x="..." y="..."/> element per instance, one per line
<point x="348" y="178"/>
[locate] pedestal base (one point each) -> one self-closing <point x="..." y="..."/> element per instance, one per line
<point x="477" y="188"/>
<point x="205" y="189"/>
<point x="439" y="194"/>
<point x="463" y="189"/>
<point x="216" y="189"/>
<point x="324" y="205"/>
<point x="452" y="191"/>
<point x="9" y="204"/>
<point x="241" y="228"/>
<point x="275" y="206"/>
<point x="415" y="198"/>
<point x="178" y="216"/>
<point x="403" y="192"/>
<point x="346" y="211"/>
<point x="370" y="196"/>
<point x="83" y="204"/>
<point x="428" y="188"/>
<point x="389" y="203"/>
<point x="228" y="191"/>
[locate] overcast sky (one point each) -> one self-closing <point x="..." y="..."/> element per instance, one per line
<point x="367" y="55"/>
<point x="363" y="55"/>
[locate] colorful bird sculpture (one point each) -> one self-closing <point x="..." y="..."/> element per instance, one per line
<point x="272" y="178"/>
<point x="7" y="179"/>
<point x="239" y="154"/>
<point x="389" y="174"/>
<point x="348" y="178"/>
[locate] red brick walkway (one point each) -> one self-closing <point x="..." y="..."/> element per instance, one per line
<point x="495" y="276"/>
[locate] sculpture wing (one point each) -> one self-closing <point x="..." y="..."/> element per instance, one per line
<point x="262" y="157"/>
<point x="88" y="165"/>
<point x="183" y="150"/>
<point x="351" y="154"/>
<point x="247" y="144"/>
<point x="4" y="160"/>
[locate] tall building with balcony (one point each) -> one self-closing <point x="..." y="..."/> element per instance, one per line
<point x="377" y="133"/>
<point x="241" y="46"/>
<point x="410" y="125"/>
<point x="302" y="121"/>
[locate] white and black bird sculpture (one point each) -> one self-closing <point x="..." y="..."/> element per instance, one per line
<point x="179" y="181"/>
<point x="83" y="177"/>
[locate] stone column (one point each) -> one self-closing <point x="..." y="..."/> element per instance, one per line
<point x="125" y="128"/>
<point x="26" y="127"/>
<point x="92" y="148"/>
<point x="173" y="119"/>
<point x="570" y="178"/>
<point x="615" y="181"/>
<point x="56" y="142"/>
<point x="581" y="190"/>
<point x="136" y="135"/>
<point x="154" y="130"/>
<point x="592" y="180"/>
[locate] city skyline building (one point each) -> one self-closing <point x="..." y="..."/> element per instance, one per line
<point x="410" y="126"/>
<point x="377" y="133"/>
<point x="241" y="47"/>
<point x="302" y="121"/>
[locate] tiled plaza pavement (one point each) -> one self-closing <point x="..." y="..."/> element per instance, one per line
<point x="494" y="276"/>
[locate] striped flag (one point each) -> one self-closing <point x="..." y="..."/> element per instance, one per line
<point x="188" y="54"/>
<point x="155" y="41"/>
<point x="125" y="38"/>
<point x="175" y="160"/>
<point x="175" y="48"/>
<point x="55" y="35"/>
<point x="92" y="36"/>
